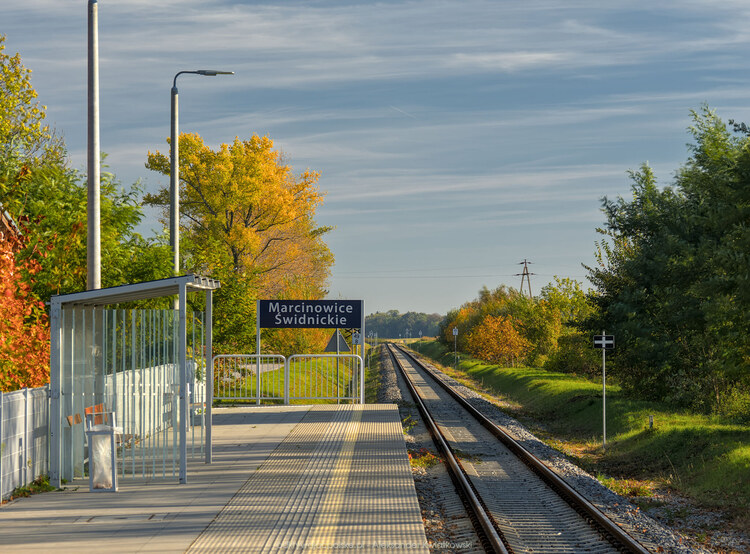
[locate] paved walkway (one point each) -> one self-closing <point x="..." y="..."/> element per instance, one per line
<point x="291" y="479"/>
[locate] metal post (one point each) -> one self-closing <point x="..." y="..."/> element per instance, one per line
<point x="174" y="161"/>
<point x="54" y="374"/>
<point x="2" y="420"/>
<point x="209" y="374"/>
<point x="604" y="395"/>
<point x="93" y="246"/>
<point x="257" y="351"/>
<point x="174" y="180"/>
<point x="362" y="367"/>
<point x="183" y="397"/>
<point x="26" y="435"/>
<point x="338" y="387"/>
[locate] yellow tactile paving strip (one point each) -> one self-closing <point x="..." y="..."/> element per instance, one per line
<point x="340" y="481"/>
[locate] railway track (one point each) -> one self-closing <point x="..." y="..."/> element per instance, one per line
<point x="516" y="503"/>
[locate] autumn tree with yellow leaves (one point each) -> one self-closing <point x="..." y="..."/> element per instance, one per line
<point x="505" y="326"/>
<point x="497" y="340"/>
<point x="247" y="220"/>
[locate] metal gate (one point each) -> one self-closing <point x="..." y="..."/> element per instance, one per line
<point x="302" y="378"/>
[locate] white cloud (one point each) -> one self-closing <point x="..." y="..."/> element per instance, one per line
<point x="436" y="117"/>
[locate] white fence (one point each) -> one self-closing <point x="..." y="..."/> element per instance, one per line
<point x="145" y="400"/>
<point x="24" y="434"/>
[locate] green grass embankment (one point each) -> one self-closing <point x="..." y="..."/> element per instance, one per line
<point x="700" y="456"/>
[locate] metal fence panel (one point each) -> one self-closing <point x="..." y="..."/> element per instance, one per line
<point x="300" y="378"/>
<point x="325" y="377"/>
<point x="24" y="424"/>
<point x="249" y="377"/>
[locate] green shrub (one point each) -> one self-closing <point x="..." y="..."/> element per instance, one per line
<point x="574" y="354"/>
<point x="735" y="405"/>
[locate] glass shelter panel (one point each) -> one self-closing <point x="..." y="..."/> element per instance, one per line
<point x="126" y="362"/>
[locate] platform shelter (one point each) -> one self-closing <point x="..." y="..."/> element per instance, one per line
<point x="147" y="367"/>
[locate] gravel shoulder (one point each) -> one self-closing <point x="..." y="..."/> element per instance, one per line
<point x="650" y="527"/>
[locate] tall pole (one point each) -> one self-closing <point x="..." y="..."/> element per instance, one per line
<point x="93" y="214"/>
<point x="174" y="161"/>
<point x="455" y="351"/>
<point x="362" y="346"/>
<point x="174" y="180"/>
<point x="604" y="395"/>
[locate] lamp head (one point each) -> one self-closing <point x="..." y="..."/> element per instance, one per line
<point x="213" y="72"/>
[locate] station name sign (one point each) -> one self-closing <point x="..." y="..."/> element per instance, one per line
<point x="310" y="314"/>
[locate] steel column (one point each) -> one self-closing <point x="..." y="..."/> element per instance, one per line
<point x="209" y="374"/>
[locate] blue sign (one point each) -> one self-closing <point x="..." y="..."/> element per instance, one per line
<point x="310" y="314"/>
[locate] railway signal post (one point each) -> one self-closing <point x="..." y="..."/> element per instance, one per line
<point x="455" y="352"/>
<point x="605" y="342"/>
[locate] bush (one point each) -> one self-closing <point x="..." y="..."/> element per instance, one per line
<point x="735" y="405"/>
<point x="575" y="354"/>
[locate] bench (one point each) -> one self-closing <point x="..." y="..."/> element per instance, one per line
<point x="100" y="418"/>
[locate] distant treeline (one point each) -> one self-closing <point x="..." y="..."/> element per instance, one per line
<point x="393" y="325"/>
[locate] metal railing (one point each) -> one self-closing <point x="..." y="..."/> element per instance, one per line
<point x="299" y="378"/>
<point x="249" y="377"/>
<point x="324" y="377"/>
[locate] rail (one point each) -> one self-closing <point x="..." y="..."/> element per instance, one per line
<point x="482" y="521"/>
<point x="553" y="480"/>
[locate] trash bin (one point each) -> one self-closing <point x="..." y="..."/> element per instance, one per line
<point x="100" y="431"/>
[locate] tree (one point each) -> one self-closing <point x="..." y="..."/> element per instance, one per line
<point x="568" y="303"/>
<point x="47" y="252"/>
<point x="497" y="340"/>
<point x="24" y="328"/>
<point x="22" y="128"/>
<point x="541" y="324"/>
<point x="48" y="201"/>
<point x="248" y="221"/>
<point x="52" y="200"/>
<point x="392" y="324"/>
<point x="672" y="275"/>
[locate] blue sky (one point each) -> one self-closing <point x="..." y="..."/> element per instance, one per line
<point x="454" y="138"/>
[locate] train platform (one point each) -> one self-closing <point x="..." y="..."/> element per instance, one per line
<point x="284" y="479"/>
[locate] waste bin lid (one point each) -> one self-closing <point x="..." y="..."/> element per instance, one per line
<point x="101" y="428"/>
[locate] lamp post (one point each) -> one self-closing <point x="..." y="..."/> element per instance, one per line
<point x="174" y="174"/>
<point x="93" y="210"/>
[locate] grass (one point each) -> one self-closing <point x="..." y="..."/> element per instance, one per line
<point x="634" y="488"/>
<point x="700" y="456"/>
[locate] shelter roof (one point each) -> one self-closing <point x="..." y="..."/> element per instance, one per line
<point x="137" y="291"/>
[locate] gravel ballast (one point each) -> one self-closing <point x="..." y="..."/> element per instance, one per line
<point x="444" y="527"/>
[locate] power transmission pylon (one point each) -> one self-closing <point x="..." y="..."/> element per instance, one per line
<point x="525" y="275"/>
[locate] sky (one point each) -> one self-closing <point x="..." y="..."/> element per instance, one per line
<point x="455" y="139"/>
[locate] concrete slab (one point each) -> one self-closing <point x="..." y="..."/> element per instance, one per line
<point x="283" y="478"/>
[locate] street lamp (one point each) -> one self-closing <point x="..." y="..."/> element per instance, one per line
<point x="174" y="174"/>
